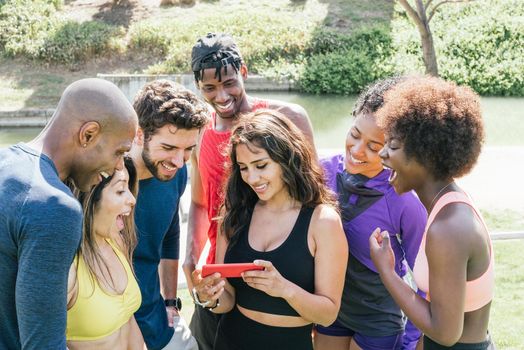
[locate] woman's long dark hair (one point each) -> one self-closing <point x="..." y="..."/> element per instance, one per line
<point x="89" y="250"/>
<point x="287" y="146"/>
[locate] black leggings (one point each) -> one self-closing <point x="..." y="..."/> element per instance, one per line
<point x="238" y="332"/>
<point x="485" y="345"/>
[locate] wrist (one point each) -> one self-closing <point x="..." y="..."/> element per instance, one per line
<point x="208" y="304"/>
<point x="175" y="303"/>
<point x="289" y="292"/>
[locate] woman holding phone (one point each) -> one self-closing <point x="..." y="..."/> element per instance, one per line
<point x="434" y="133"/>
<point x="278" y="214"/>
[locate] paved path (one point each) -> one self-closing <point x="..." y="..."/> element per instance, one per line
<point x="497" y="181"/>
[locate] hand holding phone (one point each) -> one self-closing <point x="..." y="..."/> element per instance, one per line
<point x="229" y="270"/>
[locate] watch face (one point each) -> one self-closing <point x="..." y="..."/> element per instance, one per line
<point x="176" y="303"/>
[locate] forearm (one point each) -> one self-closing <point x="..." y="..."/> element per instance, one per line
<point x="196" y="239"/>
<point x="416" y="308"/>
<point x="318" y="309"/>
<point x="168" y="272"/>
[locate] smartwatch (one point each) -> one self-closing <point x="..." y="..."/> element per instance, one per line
<point x="176" y="303"/>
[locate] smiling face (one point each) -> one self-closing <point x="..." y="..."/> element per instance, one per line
<point x="115" y="203"/>
<point x="227" y="96"/>
<point x="406" y="173"/>
<point x="363" y="143"/>
<point x="260" y="172"/>
<point x="103" y="158"/>
<point x="167" y="150"/>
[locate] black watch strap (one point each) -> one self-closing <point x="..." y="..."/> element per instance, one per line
<point x="176" y="303"/>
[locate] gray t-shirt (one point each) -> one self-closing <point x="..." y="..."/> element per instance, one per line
<point x="40" y="230"/>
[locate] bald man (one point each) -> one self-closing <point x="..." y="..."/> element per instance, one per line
<point x="40" y="220"/>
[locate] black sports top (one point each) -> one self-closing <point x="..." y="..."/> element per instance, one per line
<point x="292" y="259"/>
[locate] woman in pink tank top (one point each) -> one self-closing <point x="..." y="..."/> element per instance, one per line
<point x="434" y="133"/>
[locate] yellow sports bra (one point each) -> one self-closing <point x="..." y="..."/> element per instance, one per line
<point x="97" y="314"/>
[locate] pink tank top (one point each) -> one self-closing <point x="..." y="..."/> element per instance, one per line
<point x="212" y="164"/>
<point x="479" y="292"/>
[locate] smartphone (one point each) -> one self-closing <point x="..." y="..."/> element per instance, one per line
<point x="229" y="270"/>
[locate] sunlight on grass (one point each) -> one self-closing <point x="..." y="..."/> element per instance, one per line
<point x="499" y="220"/>
<point x="507" y="309"/>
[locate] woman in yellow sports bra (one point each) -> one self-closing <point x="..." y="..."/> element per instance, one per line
<point x="434" y="133"/>
<point x="103" y="293"/>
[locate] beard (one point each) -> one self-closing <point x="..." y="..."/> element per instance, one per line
<point x="151" y="166"/>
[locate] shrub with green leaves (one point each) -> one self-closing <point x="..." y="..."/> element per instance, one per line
<point x="34" y="29"/>
<point x="24" y="25"/>
<point x="345" y="64"/>
<point x="71" y="42"/>
<point x="480" y="44"/>
<point x="264" y="38"/>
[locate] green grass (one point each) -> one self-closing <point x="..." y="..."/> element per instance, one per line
<point x="26" y="84"/>
<point x="507" y="310"/>
<point x="351" y="14"/>
<point x="503" y="220"/>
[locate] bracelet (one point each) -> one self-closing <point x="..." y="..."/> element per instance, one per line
<point x="204" y="304"/>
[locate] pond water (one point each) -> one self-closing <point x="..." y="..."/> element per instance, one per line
<point x="330" y="115"/>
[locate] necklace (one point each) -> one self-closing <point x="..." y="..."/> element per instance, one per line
<point x="436" y="196"/>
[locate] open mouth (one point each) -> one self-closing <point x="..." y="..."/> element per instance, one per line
<point x="224" y="107"/>
<point x="392" y="175"/>
<point x="120" y="220"/>
<point x="168" y="167"/>
<point x="260" y="188"/>
<point x="355" y="160"/>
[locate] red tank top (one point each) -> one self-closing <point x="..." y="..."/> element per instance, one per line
<point x="212" y="165"/>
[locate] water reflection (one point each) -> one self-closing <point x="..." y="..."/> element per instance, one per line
<point x="331" y="119"/>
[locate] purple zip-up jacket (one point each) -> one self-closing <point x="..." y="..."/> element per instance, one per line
<point x="403" y="216"/>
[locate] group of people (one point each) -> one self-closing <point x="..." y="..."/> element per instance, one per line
<point x="376" y="248"/>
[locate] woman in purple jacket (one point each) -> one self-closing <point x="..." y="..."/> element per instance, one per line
<point x="369" y="318"/>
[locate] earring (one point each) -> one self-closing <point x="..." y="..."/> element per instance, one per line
<point x="84" y="145"/>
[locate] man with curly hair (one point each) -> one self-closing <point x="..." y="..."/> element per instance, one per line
<point x="170" y="119"/>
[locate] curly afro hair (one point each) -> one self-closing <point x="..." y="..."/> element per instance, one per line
<point x="438" y="122"/>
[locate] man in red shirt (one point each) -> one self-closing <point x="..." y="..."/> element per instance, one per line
<point x="219" y="75"/>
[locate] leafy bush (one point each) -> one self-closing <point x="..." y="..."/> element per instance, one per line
<point x="343" y="64"/>
<point x="479" y="43"/>
<point x="72" y="42"/>
<point x="34" y="29"/>
<point x="265" y="39"/>
<point x="24" y="25"/>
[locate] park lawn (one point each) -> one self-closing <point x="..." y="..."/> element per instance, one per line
<point x="507" y="309"/>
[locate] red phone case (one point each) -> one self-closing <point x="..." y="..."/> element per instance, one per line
<point x="229" y="270"/>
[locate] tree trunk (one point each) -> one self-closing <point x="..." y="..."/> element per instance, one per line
<point x="428" y="51"/>
<point x="419" y="17"/>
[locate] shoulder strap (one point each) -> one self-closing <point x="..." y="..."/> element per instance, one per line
<point x="447" y="198"/>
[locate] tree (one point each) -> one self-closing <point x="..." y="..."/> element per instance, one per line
<point x="422" y="14"/>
